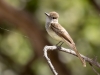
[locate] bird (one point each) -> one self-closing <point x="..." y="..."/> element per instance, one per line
<point x="58" y="32"/>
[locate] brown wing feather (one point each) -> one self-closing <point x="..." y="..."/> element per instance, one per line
<point x="58" y="29"/>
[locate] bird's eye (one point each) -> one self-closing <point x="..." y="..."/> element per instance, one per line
<point x="54" y="17"/>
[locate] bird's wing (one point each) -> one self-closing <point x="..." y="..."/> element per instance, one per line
<point x="59" y="30"/>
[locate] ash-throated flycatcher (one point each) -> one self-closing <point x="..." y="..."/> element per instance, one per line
<point x="56" y="31"/>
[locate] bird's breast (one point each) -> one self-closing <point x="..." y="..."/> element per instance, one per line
<point x="52" y="33"/>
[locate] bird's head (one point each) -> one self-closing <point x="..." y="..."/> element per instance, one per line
<point x="52" y="16"/>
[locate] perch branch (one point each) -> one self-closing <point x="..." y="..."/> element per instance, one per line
<point x="87" y="59"/>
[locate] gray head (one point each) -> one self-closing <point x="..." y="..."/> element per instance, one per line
<point x="52" y="16"/>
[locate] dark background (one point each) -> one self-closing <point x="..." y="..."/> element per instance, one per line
<point x="23" y="36"/>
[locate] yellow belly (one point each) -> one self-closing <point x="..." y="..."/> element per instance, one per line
<point x="54" y="35"/>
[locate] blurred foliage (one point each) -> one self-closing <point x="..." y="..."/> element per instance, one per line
<point x="80" y="18"/>
<point x="32" y="5"/>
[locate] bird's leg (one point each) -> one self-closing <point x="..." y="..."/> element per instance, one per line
<point x="59" y="46"/>
<point x="58" y="43"/>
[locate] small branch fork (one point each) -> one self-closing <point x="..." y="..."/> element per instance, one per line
<point x="89" y="60"/>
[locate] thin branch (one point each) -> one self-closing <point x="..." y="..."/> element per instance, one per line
<point x="87" y="59"/>
<point x="93" y="67"/>
<point x="49" y="62"/>
<point x="94" y="70"/>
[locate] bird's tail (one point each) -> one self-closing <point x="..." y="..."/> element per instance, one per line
<point x="72" y="46"/>
<point x="79" y="56"/>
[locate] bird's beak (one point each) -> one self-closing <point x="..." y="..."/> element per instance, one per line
<point x="47" y="14"/>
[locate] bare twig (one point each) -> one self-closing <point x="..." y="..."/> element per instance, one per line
<point x="95" y="59"/>
<point x="46" y="48"/>
<point x="94" y="70"/>
<point x="49" y="62"/>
